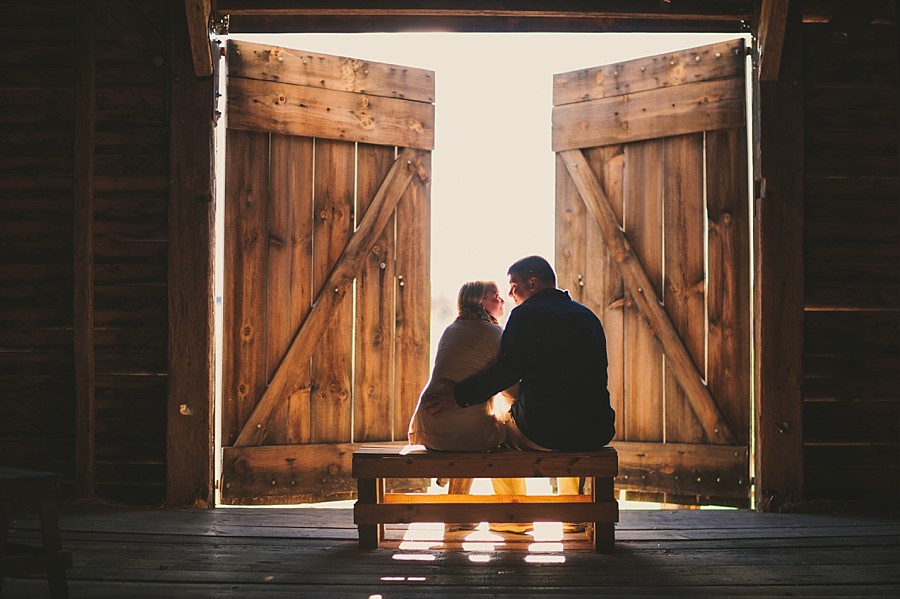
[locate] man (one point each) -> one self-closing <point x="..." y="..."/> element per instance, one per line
<point x="555" y="349"/>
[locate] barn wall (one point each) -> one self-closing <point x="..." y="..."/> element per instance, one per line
<point x="118" y="368"/>
<point x="36" y="185"/>
<point x="851" y="349"/>
<point x="85" y="253"/>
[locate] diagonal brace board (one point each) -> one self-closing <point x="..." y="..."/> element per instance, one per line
<point x="332" y="293"/>
<point x="639" y="286"/>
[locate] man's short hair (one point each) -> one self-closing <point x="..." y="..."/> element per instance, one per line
<point x="534" y="266"/>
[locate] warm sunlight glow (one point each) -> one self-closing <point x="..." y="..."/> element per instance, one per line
<point x="493" y="167"/>
<point x="414" y="557"/>
<point x="545" y="547"/>
<point x="420" y="545"/>
<point x="481" y="546"/>
<point x="545" y="559"/>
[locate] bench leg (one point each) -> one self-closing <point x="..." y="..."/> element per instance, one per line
<point x="370" y="491"/>
<point x="602" y="491"/>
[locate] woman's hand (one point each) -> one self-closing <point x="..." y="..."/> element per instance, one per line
<point x="440" y="398"/>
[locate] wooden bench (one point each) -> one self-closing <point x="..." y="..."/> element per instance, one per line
<point x="374" y="507"/>
<point x="42" y="490"/>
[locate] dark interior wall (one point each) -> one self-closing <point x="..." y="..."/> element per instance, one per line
<point x="37" y="82"/>
<point x="122" y="235"/>
<point x="851" y="350"/>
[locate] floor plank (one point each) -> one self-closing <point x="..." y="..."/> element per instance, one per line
<point x="310" y="552"/>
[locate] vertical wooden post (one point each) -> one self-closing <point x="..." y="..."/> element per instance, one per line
<point x="779" y="280"/>
<point x="190" y="441"/>
<point x="83" y="251"/>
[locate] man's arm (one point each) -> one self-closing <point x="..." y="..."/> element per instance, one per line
<point x="503" y="374"/>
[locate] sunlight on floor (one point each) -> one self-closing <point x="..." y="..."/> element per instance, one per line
<point x="544" y="542"/>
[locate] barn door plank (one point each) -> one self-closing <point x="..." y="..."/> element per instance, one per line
<point x="289" y="295"/>
<point x="571" y="230"/>
<point x="333" y="210"/>
<point x="413" y="295"/>
<point x="641" y="290"/>
<point x="729" y="296"/>
<point x="372" y="407"/>
<point x="684" y="294"/>
<point x="246" y="225"/>
<point x="722" y="60"/>
<point x="643" y="358"/>
<point x="332" y="292"/>
<point x="604" y="288"/>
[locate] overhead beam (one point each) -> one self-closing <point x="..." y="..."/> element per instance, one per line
<point x="645" y="9"/>
<point x="198" y="12"/>
<point x="467" y="15"/>
<point x="770" y="36"/>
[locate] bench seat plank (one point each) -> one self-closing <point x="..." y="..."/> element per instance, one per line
<point x="500" y="464"/>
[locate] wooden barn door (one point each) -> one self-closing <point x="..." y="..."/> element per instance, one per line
<point x="327" y="282"/>
<point x="653" y="234"/>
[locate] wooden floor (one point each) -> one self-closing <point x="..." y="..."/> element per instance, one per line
<point x="282" y="552"/>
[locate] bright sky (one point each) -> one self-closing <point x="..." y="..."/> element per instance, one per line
<point x="492" y="170"/>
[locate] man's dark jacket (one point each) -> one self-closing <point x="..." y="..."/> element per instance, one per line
<point x="556" y="349"/>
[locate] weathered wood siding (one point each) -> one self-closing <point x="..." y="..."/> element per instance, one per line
<point x="84" y="164"/>
<point x="37" y="113"/>
<point x="851" y="349"/>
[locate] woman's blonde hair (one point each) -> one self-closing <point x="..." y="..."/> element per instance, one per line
<point x="471" y="293"/>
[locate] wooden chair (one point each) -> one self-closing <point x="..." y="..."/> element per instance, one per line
<point x="41" y="488"/>
<point x="374" y="507"/>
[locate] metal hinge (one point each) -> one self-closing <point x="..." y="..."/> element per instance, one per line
<point x="220" y="26"/>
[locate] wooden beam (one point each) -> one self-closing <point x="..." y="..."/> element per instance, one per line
<point x="770" y="33"/>
<point x="198" y="12"/>
<point x="470" y="15"/>
<point x="678" y="110"/>
<point x="332" y="293"/>
<point x="693" y="9"/>
<point x="83" y="252"/>
<point x="778" y="293"/>
<point x="639" y="286"/>
<point x="190" y="442"/>
<point x="291" y="473"/>
<point x="299" y="110"/>
<point x="672" y="468"/>
<point x="722" y="60"/>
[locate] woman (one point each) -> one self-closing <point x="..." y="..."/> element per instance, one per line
<point x="468" y="345"/>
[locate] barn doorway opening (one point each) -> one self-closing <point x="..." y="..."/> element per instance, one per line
<point x="493" y="169"/>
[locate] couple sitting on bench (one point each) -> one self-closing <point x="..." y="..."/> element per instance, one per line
<point x="538" y="385"/>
